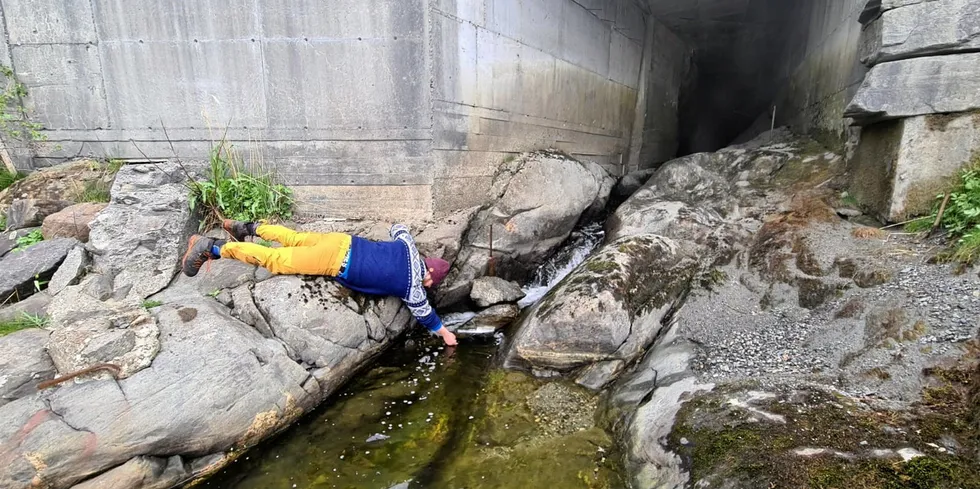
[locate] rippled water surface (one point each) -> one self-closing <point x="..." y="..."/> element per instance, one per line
<point x="427" y="416"/>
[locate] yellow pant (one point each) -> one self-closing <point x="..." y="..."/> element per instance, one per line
<point x="301" y="254"/>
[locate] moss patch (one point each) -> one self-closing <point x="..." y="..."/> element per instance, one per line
<point x="727" y="447"/>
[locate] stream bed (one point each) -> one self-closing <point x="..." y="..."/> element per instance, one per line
<point x="429" y="416"/>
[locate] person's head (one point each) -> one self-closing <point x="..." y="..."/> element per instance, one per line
<point x="435" y="271"/>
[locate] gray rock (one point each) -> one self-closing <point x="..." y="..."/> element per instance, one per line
<point x="527" y="224"/>
<point x="70" y="271"/>
<point x="918" y="86"/>
<point x="322" y="321"/>
<point x="611" y="307"/>
<point x="35" y="305"/>
<point x="490" y="320"/>
<point x="142" y="472"/>
<point x="97" y="286"/>
<point x="443" y="238"/>
<point x="927" y="28"/>
<point x="139" y="239"/>
<point x="489" y="291"/>
<point x="25" y="213"/>
<point x="631" y="182"/>
<point x="89" y="332"/>
<point x="246" y="311"/>
<point x="215" y="384"/>
<point x="597" y="375"/>
<point x="19" y="270"/>
<point x="216" y="276"/>
<point x="23" y="363"/>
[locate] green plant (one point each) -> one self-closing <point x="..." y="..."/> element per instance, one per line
<point x="25" y="321"/>
<point x="7" y="178"/>
<point x="13" y="114"/>
<point x="30" y="239"/>
<point x="98" y="190"/>
<point x="234" y="190"/>
<point x="960" y="215"/>
<point x="38" y="283"/>
<point x="263" y="242"/>
<point x="148" y="304"/>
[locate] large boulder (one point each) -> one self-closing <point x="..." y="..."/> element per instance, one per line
<point x="57" y="183"/>
<point x="71" y="222"/>
<point x="140" y="237"/>
<point x="535" y="202"/>
<point x="925" y="28"/>
<point x="917" y="86"/>
<point x="610" y="309"/>
<point x="23" y="272"/>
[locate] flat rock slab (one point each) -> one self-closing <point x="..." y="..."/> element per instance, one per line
<point x="919" y="86"/>
<point x="929" y="28"/>
<point x="216" y="383"/>
<point x="18" y="270"/>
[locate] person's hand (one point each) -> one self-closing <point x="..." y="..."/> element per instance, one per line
<point x="447" y="336"/>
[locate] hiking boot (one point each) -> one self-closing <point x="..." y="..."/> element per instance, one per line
<point x="237" y="229"/>
<point x="198" y="252"/>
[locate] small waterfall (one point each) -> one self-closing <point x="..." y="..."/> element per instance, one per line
<point x="579" y="246"/>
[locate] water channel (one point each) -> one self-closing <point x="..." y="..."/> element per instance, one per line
<point x="428" y="416"/>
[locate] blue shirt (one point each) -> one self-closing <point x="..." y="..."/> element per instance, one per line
<point x="391" y="268"/>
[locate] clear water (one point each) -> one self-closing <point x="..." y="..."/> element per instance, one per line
<point x="580" y="245"/>
<point x="427" y="416"/>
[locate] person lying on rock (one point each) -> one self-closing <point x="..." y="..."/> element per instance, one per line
<point x="371" y="267"/>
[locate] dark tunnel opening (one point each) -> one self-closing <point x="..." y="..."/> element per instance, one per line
<point x="744" y="53"/>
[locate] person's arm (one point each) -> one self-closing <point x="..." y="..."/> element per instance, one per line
<point x="417" y="300"/>
<point x="426" y="316"/>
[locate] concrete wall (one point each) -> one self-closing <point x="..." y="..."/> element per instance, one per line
<point x="401" y="108"/>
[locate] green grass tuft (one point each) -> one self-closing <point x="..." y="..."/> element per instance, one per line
<point x="961" y="217"/>
<point x="7" y="178"/>
<point x="148" y="304"/>
<point x="236" y="190"/>
<point x="25" y="321"/>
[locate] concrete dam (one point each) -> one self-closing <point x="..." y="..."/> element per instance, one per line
<point x="406" y="108"/>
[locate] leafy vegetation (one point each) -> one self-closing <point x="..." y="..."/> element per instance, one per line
<point x="28" y="240"/>
<point x="13" y="114"/>
<point x="240" y="191"/>
<point x="148" y="304"/>
<point x="960" y="216"/>
<point x="7" y="178"/>
<point x="98" y="190"/>
<point x="25" y="321"/>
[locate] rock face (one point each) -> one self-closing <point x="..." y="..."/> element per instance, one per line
<point x="139" y="238"/>
<point x="527" y="224"/>
<point x="71" y="222"/>
<point x="925" y="28"/>
<point x="70" y="271"/>
<point x="688" y="218"/>
<point x="611" y="308"/>
<point x="890" y="176"/>
<point x="27" y="213"/>
<point x="917" y="86"/>
<point x="234" y="386"/>
<point x="19" y="270"/>
<point x="489" y="291"/>
<point x="23" y="363"/>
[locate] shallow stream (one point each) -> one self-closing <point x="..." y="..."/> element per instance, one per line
<point x="427" y="416"/>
